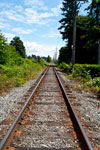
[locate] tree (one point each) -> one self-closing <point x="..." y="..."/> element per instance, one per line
<point x="94" y="27"/>
<point x="33" y="56"/>
<point x="64" y="55"/>
<point x="8" y="53"/>
<point x="94" y="11"/>
<point x="48" y="59"/>
<point x="18" y="44"/>
<point x="86" y="45"/>
<point x="3" y="41"/>
<point x="66" y="27"/>
<point x="87" y="32"/>
<point x="3" y="46"/>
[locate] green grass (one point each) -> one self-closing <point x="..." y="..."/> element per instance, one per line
<point x="12" y="76"/>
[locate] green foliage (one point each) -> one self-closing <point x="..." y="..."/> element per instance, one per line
<point x="64" y="55"/>
<point x="94" y="11"/>
<point x="18" y="44"/>
<point x="66" y="21"/>
<point x="88" y="75"/>
<point x="17" y="75"/>
<point x="48" y="59"/>
<point x="3" y="46"/>
<point x="80" y="71"/>
<point x="94" y="82"/>
<point x="9" y="56"/>
<point x="66" y="28"/>
<point x="87" y="32"/>
<point x="42" y="62"/>
<point x="65" y="67"/>
<point x="15" y="70"/>
<point x="93" y="70"/>
<point x="85" y="75"/>
<point x="3" y="42"/>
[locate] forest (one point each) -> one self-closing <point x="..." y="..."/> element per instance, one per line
<point x="87" y="33"/>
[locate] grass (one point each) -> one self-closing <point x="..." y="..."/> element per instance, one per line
<point x="14" y="76"/>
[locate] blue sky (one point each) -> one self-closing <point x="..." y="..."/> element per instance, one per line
<point x="35" y="22"/>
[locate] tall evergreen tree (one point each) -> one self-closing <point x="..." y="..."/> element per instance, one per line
<point x="66" y="28"/>
<point x="94" y="11"/>
<point x="18" y="44"/>
<point x="94" y="27"/>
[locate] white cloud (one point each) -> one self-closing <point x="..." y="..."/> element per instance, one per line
<point x="4" y="25"/>
<point x="13" y="15"/>
<point x="28" y="16"/>
<point x="56" y="10"/>
<point x="39" y="49"/>
<point x="46" y="15"/>
<point x="33" y="16"/>
<point x="36" y="4"/>
<point x="5" y="5"/>
<point x="9" y="35"/>
<point x="33" y="2"/>
<point x="18" y="8"/>
<point x="51" y="35"/>
<point x="22" y="31"/>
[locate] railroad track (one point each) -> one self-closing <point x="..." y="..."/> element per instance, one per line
<point x="47" y="120"/>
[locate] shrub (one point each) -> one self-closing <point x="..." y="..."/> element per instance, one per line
<point x="65" y="67"/>
<point x="81" y="71"/>
<point x="42" y="63"/>
<point x="94" y="82"/>
<point x="93" y="69"/>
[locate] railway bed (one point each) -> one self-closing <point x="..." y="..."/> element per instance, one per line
<point x="45" y="122"/>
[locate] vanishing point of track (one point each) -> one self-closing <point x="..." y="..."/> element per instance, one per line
<point x="47" y="120"/>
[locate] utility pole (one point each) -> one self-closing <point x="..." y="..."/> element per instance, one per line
<point x="99" y="51"/>
<point x="74" y="37"/>
<point x="74" y="33"/>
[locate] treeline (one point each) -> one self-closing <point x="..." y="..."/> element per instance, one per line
<point x="87" y="33"/>
<point x="13" y="53"/>
<point x="38" y="58"/>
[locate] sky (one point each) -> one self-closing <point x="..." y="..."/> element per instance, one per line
<point x="36" y="22"/>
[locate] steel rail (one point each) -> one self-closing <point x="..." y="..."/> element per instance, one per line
<point x="74" y="116"/>
<point x="5" y="140"/>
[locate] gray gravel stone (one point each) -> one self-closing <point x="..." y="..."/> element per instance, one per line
<point x="9" y="102"/>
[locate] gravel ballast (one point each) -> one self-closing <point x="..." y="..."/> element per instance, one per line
<point x="87" y="107"/>
<point x="9" y="102"/>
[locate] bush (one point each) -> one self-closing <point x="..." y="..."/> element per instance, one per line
<point x="94" y="70"/>
<point x="65" y="67"/>
<point x="81" y="71"/>
<point x="42" y="63"/>
<point x="94" y="82"/>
